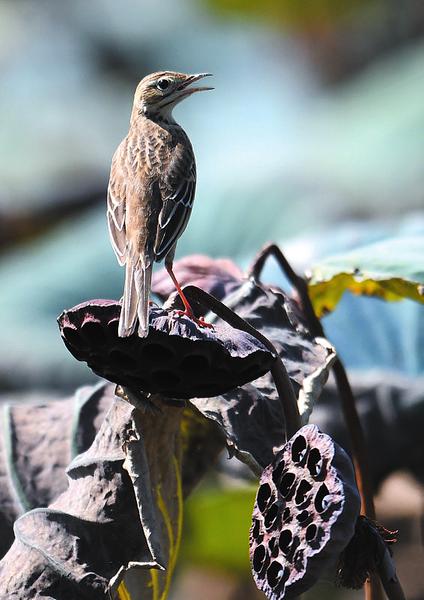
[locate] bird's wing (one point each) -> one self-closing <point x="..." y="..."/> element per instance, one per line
<point x="116" y="210"/>
<point x="177" y="204"/>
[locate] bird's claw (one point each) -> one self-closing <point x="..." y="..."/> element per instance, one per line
<point x="199" y="321"/>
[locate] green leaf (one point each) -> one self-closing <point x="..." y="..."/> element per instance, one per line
<point x="285" y="12"/>
<point x="392" y="270"/>
<point x="216" y="529"/>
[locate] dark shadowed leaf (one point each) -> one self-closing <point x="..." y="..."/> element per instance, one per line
<point x="305" y="513"/>
<point x="251" y="416"/>
<point x="177" y="359"/>
<point x="391" y="269"/>
<point x="124" y="497"/>
<point x="387" y="402"/>
<point x="38" y="441"/>
<point x="368" y="548"/>
<point x="98" y="510"/>
<point x="202" y="442"/>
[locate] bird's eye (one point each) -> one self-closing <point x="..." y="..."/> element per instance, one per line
<point x="163" y="84"/>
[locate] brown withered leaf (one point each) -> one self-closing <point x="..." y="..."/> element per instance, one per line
<point x="124" y="499"/>
<point x="38" y="441"/>
<point x="251" y="416"/>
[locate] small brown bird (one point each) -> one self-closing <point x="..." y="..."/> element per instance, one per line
<point x="151" y="191"/>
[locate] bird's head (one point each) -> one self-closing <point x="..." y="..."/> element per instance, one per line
<point x="158" y="93"/>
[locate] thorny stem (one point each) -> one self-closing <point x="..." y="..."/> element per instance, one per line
<point x="358" y="444"/>
<point x="278" y="370"/>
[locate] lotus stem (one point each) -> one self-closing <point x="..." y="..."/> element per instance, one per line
<point x="278" y="371"/>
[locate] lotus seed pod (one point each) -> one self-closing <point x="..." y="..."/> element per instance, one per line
<point x="304" y="515"/>
<point x="178" y="359"/>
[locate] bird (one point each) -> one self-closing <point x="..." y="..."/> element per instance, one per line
<point x="151" y="192"/>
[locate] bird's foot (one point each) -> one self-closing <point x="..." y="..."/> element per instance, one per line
<point x="199" y="321"/>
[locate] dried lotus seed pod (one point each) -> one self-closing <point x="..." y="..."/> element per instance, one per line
<point x="178" y="359"/>
<point x="305" y="513"/>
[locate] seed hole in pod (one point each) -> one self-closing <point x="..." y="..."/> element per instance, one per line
<point x="273" y="547"/>
<point x="94" y="333"/>
<point x="285" y="540"/>
<point x="278" y="472"/>
<point x="256" y="529"/>
<point x="286" y="484"/>
<point x="275" y="574"/>
<point x="302" y="517"/>
<point x="122" y="360"/>
<point x="302" y="491"/>
<point x="294" y="546"/>
<point x="157" y="353"/>
<point x="316" y="541"/>
<point x="259" y="557"/>
<point x="286" y="515"/>
<point x="298" y="560"/>
<point x="165" y="378"/>
<point x="264" y="495"/>
<point x="311" y="532"/>
<point x="315" y="462"/>
<point x="271" y="516"/>
<point x="322" y="499"/>
<point x="298" y="449"/>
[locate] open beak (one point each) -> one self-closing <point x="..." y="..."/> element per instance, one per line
<point x="186" y="91"/>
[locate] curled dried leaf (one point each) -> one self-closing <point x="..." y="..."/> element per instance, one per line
<point x="365" y="550"/>
<point x="252" y="415"/>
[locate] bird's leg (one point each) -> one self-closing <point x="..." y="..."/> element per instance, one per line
<point x="188" y="311"/>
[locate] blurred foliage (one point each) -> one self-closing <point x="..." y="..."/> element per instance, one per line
<point x="391" y="269"/>
<point x="370" y="334"/>
<point x="216" y="528"/>
<point x="298" y="14"/>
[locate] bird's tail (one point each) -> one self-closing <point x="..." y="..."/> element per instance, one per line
<point x="135" y="301"/>
<point x="143" y="283"/>
<point x="128" y="317"/>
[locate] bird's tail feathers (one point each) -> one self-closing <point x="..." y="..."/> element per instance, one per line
<point x="143" y="283"/>
<point x="127" y="320"/>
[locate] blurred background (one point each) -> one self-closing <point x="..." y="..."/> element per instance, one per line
<point x="312" y="138"/>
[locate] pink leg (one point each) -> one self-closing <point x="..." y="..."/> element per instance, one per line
<point x="188" y="311"/>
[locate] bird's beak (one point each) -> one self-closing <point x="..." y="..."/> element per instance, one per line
<point x="186" y="91"/>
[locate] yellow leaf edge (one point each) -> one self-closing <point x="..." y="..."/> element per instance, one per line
<point x="174" y="542"/>
<point x="326" y="294"/>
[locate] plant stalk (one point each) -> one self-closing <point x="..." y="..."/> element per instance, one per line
<point x="278" y="371"/>
<point x="351" y="416"/>
<point x="373" y="590"/>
